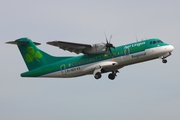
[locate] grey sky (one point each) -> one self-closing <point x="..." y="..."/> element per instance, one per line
<point x="143" y="91"/>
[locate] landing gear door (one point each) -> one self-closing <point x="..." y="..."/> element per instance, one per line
<point x="63" y="67"/>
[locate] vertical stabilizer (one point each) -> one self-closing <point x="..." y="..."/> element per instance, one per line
<point x="34" y="57"/>
<point x="31" y="54"/>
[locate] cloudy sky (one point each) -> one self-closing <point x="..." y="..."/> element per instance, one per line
<point x="143" y="91"/>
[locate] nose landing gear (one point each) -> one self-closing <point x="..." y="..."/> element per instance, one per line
<point x="164" y="60"/>
<point x="165" y="56"/>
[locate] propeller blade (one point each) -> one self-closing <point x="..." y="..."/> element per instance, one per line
<point x="110" y="39"/>
<point x="106" y="38"/>
<point x="107" y="49"/>
<point x="113" y="47"/>
<point x="108" y="44"/>
<point x="110" y="51"/>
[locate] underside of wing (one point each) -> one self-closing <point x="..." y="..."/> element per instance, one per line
<point x="69" y="46"/>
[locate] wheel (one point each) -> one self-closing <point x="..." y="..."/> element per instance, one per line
<point x="97" y="75"/>
<point x="111" y="76"/>
<point x="164" y="61"/>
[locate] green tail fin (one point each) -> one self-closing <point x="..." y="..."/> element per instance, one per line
<point x="34" y="57"/>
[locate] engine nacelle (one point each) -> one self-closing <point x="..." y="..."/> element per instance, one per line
<point x="96" y="49"/>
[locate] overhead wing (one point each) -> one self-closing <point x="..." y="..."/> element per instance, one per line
<point x="69" y="46"/>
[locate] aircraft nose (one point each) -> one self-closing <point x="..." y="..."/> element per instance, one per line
<point x="171" y="48"/>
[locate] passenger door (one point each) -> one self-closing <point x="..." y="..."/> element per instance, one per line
<point x="63" y="71"/>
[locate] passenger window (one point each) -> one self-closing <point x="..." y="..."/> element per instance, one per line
<point x="151" y="42"/>
<point x="154" y="42"/>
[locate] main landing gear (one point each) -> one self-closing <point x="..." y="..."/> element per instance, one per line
<point x="111" y="76"/>
<point x="97" y="75"/>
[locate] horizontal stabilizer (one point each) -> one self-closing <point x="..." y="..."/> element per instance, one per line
<point x="21" y="42"/>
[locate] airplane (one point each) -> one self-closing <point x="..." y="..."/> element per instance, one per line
<point x="96" y="59"/>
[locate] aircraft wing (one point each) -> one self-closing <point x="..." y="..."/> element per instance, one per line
<point x="69" y="46"/>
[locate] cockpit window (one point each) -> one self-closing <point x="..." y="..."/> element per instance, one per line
<point x="155" y="42"/>
<point x="159" y="41"/>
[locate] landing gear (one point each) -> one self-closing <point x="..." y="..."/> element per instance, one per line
<point x="97" y="75"/>
<point x="112" y="75"/>
<point x="164" y="60"/>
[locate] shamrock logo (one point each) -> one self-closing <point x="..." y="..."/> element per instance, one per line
<point x="32" y="54"/>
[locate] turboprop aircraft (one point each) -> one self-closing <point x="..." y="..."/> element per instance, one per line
<point x="96" y="59"/>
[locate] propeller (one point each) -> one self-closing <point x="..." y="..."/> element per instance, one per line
<point x="109" y="45"/>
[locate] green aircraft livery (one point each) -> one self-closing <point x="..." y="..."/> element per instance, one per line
<point x="95" y="59"/>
